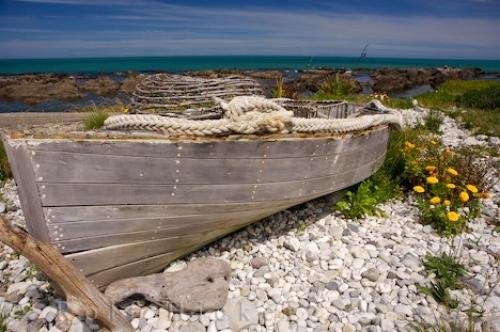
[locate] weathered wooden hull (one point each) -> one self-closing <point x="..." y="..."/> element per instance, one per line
<point x="121" y="208"/>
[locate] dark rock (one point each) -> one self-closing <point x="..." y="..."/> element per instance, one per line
<point x="289" y="311"/>
<point x="332" y="285"/>
<point x="102" y="86"/>
<point x="34" y="89"/>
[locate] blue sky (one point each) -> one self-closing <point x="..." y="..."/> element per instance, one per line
<point x="395" y="28"/>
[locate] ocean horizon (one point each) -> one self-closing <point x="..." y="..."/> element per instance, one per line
<point x="186" y="63"/>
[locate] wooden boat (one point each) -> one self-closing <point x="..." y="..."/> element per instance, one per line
<point x="128" y="205"/>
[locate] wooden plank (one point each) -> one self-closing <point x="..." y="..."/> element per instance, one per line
<point x="178" y="225"/>
<point x="66" y="214"/>
<point x="93" y="261"/>
<point x="103" y="240"/>
<point x="278" y="148"/>
<point x="151" y="264"/>
<point x="22" y="168"/>
<point x="77" y="194"/>
<point x="62" y="167"/>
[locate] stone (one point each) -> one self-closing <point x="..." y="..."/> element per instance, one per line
<point x="48" y="313"/>
<point x="2" y="207"/>
<point x="258" y="262"/>
<point x="387" y="325"/>
<point x="332" y="285"/>
<point x="78" y="326"/>
<point x="241" y="313"/>
<point x="202" y="286"/>
<point x="292" y="244"/>
<point x="289" y="311"/>
<point x="222" y="323"/>
<point x="371" y="274"/>
<point x="191" y="327"/>
<point x="359" y="252"/>
<point x="64" y="320"/>
<point x="133" y="310"/>
<point x="411" y="261"/>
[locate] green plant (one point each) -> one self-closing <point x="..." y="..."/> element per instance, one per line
<point x="279" y="88"/>
<point x="484" y="99"/>
<point x="3" y="323"/>
<point x="447" y="271"/>
<point x="335" y="88"/>
<point x="433" y="121"/>
<point x="95" y="120"/>
<point x="19" y="313"/>
<point x="371" y="192"/>
<point x="5" y="171"/>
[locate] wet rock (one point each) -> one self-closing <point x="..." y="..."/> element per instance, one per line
<point x="34" y="89"/>
<point x="102" y="86"/>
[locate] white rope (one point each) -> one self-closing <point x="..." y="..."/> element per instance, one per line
<point x="250" y="115"/>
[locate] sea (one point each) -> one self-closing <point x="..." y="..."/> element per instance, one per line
<point x="185" y="63"/>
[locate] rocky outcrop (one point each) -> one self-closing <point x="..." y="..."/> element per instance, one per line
<point x="102" y="86"/>
<point x="312" y="81"/>
<point x="33" y="89"/>
<point x="390" y="80"/>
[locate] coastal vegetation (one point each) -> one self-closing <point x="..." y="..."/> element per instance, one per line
<point x="5" y="171"/>
<point x="279" y="89"/>
<point x="447" y="271"/>
<point x="95" y="119"/>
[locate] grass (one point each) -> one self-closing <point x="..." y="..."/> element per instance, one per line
<point x="451" y="93"/>
<point x="5" y="171"/>
<point x="335" y="88"/>
<point x="433" y="121"/>
<point x="95" y="120"/>
<point x="279" y="88"/>
<point x="3" y="323"/>
<point x="480" y="99"/>
<point x="447" y="270"/>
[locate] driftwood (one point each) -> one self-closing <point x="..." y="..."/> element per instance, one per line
<point x="83" y="297"/>
<point x="201" y="287"/>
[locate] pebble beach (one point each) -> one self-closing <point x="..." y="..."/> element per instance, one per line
<point x="304" y="269"/>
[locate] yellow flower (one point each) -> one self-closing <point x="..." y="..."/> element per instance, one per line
<point x="472" y="188"/>
<point x="435" y="200"/>
<point x="419" y="189"/>
<point x="453" y="216"/>
<point x="464" y="197"/>
<point x="125" y="110"/>
<point x="446" y="202"/>
<point x="451" y="186"/>
<point x="430" y="168"/>
<point x="409" y="145"/>
<point x="451" y="171"/>
<point x="434" y="142"/>
<point x="432" y="180"/>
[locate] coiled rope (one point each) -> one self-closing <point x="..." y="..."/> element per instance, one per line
<point x="250" y="115"/>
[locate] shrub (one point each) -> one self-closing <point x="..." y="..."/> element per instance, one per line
<point x="448" y="193"/>
<point x="484" y="99"/>
<point x="371" y="192"/>
<point x="5" y="171"/>
<point x="95" y="120"/>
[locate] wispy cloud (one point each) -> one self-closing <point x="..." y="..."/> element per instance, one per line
<point x="150" y="27"/>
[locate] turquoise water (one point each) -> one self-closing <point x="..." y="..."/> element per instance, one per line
<point x="183" y="63"/>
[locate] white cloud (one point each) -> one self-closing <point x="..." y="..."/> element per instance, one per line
<point x="153" y="28"/>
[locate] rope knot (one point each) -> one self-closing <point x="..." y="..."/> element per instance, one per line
<point x="252" y="114"/>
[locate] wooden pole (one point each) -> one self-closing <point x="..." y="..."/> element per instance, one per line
<point x="82" y="296"/>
